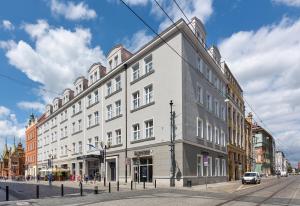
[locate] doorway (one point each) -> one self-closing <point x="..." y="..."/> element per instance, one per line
<point x="143" y="169"/>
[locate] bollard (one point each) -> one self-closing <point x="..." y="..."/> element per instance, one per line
<point x="118" y="185"/>
<point x="131" y="184"/>
<point x="80" y="184"/>
<point x="37" y="192"/>
<point x="155" y="183"/>
<point x="109" y="189"/>
<point x="144" y="184"/>
<point x="7" y="194"/>
<point x="62" y="190"/>
<point x="104" y="181"/>
<point x="96" y="190"/>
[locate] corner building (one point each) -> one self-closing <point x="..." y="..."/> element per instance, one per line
<point x="125" y="107"/>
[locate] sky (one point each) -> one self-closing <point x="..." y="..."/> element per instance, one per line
<point x="46" y="44"/>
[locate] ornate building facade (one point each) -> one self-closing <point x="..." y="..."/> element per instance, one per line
<point x="12" y="163"/>
<point x="250" y="155"/>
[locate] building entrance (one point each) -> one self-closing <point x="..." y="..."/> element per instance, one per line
<point x="143" y="169"/>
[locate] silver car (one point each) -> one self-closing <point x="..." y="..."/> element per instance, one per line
<point x="251" y="177"/>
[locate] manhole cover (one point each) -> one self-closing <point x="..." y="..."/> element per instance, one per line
<point x="23" y="203"/>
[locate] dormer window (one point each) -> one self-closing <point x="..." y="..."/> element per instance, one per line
<point x="80" y="88"/>
<point x="95" y="76"/>
<point x="116" y="61"/>
<point x="77" y="90"/>
<point x="91" y="79"/>
<point x="110" y="64"/>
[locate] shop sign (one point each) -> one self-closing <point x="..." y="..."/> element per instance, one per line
<point x="142" y="153"/>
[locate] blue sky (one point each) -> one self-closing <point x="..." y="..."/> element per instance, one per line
<point x="46" y="44"/>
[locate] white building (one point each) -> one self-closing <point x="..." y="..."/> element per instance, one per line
<point x="126" y="107"/>
<point x="280" y="162"/>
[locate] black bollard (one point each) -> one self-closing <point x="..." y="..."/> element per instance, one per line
<point x="155" y="183"/>
<point x="131" y="184"/>
<point x="62" y="190"/>
<point x="80" y="184"/>
<point x="118" y="185"/>
<point x="96" y="190"/>
<point x="37" y="192"/>
<point x="104" y="181"/>
<point x="144" y="184"/>
<point x="109" y="189"/>
<point x="7" y="194"/>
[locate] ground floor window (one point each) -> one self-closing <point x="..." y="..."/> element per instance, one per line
<point x="199" y="165"/>
<point x="209" y="168"/>
<point x="143" y="169"/>
<point x="217" y="167"/>
<point x="223" y="167"/>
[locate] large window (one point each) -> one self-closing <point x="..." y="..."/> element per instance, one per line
<point x="217" y="136"/>
<point x="209" y="166"/>
<point x="208" y="102"/>
<point x="118" y="137"/>
<point x="89" y="100"/>
<point x="199" y="165"/>
<point x="96" y="142"/>
<point x="199" y="127"/>
<point x="216" y="105"/>
<point x="109" y="111"/>
<point x="136" y="132"/>
<point x="148" y="94"/>
<point x="199" y="94"/>
<point x="96" y="114"/>
<point x="148" y="64"/>
<point x="118" y="83"/>
<point x="109" y="138"/>
<point x="149" y="128"/>
<point x="79" y="125"/>
<point x="217" y="167"/>
<point x="118" y="107"/>
<point x="136" y="100"/>
<point x="74" y="147"/>
<point x="208" y="131"/>
<point x="223" y="167"/>
<point x="109" y="88"/>
<point x="89" y="120"/>
<point x="135" y="71"/>
<point x="96" y="96"/>
<point x="80" y="147"/>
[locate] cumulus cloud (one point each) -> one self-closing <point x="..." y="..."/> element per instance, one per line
<point x="7" y="25"/>
<point x="137" y="40"/>
<point x="37" y="106"/>
<point x="294" y="3"/>
<point x="57" y="57"/>
<point x="72" y="11"/>
<point x="266" y="62"/>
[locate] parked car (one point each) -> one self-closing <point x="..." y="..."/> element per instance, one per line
<point x="251" y="177"/>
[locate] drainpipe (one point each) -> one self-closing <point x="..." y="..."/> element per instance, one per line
<point x="126" y="121"/>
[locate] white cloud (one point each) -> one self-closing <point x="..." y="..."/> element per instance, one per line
<point x="295" y="3"/>
<point x="40" y="107"/>
<point x="137" y="2"/>
<point x="7" y="25"/>
<point x="266" y="62"/>
<point x="72" y="11"/>
<point x="138" y="39"/>
<point x="4" y="111"/>
<point x="57" y="58"/>
<point x="9" y="125"/>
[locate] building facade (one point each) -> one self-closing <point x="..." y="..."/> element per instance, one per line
<point x="12" y="163"/>
<point x="236" y="122"/>
<point x="280" y="163"/>
<point x="125" y="110"/>
<point x="264" y="147"/>
<point x="250" y="154"/>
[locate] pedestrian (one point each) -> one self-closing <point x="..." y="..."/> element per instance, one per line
<point x="86" y="178"/>
<point x="50" y="179"/>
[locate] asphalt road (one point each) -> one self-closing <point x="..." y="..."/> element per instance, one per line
<point x="283" y="191"/>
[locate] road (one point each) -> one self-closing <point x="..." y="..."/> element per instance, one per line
<point x="283" y="191"/>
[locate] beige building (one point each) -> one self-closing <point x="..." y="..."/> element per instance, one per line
<point x="125" y="107"/>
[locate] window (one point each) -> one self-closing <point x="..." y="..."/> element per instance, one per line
<point x="110" y="64"/>
<point x="66" y="114"/>
<point x="148" y="64"/>
<point x="199" y="94"/>
<point x="118" y="83"/>
<point x="61" y="150"/>
<point x="223" y="113"/>
<point x="223" y="167"/>
<point x="74" y="147"/>
<point x="90" y="143"/>
<point x="199" y="165"/>
<point x="96" y="142"/>
<point x="199" y="64"/>
<point x="109" y="138"/>
<point x="135" y="71"/>
<point x="209" y="172"/>
<point x="118" y="137"/>
<point x="216" y="108"/>
<point x="79" y="106"/>
<point x="109" y="88"/>
<point x="80" y="147"/>
<point x="209" y="132"/>
<point x="95" y="76"/>
<point x="96" y="96"/>
<point x="217" y="167"/>
<point x="118" y="107"/>
<point x="148" y="94"/>
<point x="73" y="127"/>
<point x="79" y="125"/>
<point x="223" y="140"/>
<point x="66" y="131"/>
<point x="199" y="127"/>
<point x="89" y="100"/>
<point x="109" y="111"/>
<point x="136" y="100"/>
<point x="208" y="102"/>
<point x="89" y="120"/>
<point x="73" y="109"/>
<point x="149" y="129"/>
<point x="66" y="149"/>
<point x="116" y="61"/>
<point x="136" y="131"/>
<point x="96" y="114"/>
<point x="217" y="136"/>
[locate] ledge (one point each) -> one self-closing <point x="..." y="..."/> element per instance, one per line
<point x="63" y="137"/>
<point x="90" y="106"/>
<point x="113" y="93"/>
<point x="46" y="145"/>
<point x="142" y="107"/>
<point x="76" y="132"/>
<point x="142" y="140"/>
<point x="63" y="121"/>
<point x="62" y="156"/>
<point x="54" y="126"/>
<point x="73" y="115"/>
<point x="116" y="145"/>
<point x="90" y="127"/>
<point x="113" y="118"/>
<point x="47" y="130"/>
<point x="142" y="77"/>
<point x="54" y="141"/>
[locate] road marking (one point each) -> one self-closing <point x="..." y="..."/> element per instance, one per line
<point x="240" y="188"/>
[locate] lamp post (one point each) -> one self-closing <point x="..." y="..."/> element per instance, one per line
<point x="172" y="145"/>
